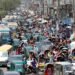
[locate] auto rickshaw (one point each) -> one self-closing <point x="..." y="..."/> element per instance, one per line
<point x="17" y="66"/>
<point x="5" y="51"/>
<point x="16" y="63"/>
<point x="63" y="68"/>
<point x="5" y="34"/>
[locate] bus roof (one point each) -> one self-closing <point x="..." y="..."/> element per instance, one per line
<point x="5" y="47"/>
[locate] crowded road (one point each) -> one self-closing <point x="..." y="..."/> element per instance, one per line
<point x="33" y="45"/>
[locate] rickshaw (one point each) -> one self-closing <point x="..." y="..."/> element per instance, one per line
<point x="5" y="51"/>
<point x="17" y="59"/>
<point x="5" y="34"/>
<point x="63" y="68"/>
<point x="17" y="66"/>
<point x="16" y="63"/>
<point x="12" y="25"/>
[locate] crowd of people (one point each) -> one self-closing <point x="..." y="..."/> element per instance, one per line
<point x="54" y="33"/>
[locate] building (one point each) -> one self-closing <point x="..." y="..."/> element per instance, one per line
<point x="59" y="8"/>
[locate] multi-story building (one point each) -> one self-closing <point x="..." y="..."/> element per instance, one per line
<point x="65" y="8"/>
<point x="61" y="8"/>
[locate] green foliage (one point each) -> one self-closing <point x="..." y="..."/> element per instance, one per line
<point x="2" y="13"/>
<point x="8" y="5"/>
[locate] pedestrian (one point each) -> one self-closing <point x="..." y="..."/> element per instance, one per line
<point x="49" y="69"/>
<point x="18" y="51"/>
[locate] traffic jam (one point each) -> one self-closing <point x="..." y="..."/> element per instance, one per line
<point x="35" y="45"/>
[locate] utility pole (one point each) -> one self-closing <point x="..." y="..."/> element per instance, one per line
<point x="58" y="9"/>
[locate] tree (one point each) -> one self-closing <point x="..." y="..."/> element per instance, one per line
<point x="8" y="5"/>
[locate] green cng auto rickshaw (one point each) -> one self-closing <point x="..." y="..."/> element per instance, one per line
<point x="63" y="68"/>
<point x="16" y="63"/>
